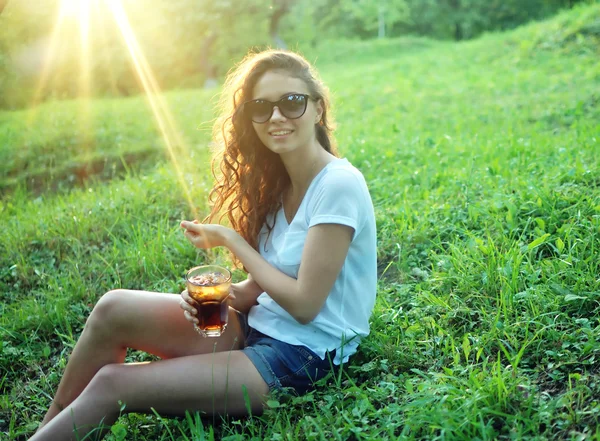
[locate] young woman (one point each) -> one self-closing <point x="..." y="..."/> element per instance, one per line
<point x="303" y="228"/>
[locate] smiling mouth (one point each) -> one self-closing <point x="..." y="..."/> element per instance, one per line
<point x="281" y="132"/>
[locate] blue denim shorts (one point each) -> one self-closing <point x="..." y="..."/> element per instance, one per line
<point x="283" y="366"/>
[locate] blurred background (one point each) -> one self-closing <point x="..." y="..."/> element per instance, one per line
<point x="62" y="49"/>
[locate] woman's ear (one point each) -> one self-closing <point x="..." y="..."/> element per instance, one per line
<point x="319" y="109"/>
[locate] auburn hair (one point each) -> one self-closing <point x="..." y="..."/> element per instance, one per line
<point x="250" y="178"/>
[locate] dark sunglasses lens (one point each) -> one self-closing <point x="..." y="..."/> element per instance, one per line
<point x="259" y="111"/>
<point x="293" y="106"/>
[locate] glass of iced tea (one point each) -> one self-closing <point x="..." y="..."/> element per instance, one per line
<point x="209" y="286"/>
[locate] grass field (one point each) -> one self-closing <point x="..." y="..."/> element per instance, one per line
<point x="483" y="162"/>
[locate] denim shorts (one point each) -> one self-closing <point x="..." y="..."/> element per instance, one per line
<point x="283" y="366"/>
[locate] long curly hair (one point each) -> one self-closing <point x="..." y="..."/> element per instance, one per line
<point x="250" y="178"/>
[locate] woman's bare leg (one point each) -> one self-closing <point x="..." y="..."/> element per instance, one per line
<point x="147" y="321"/>
<point x="215" y="383"/>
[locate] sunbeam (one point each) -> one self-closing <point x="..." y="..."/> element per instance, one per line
<point x="75" y="15"/>
<point x="173" y="141"/>
<point x="105" y="53"/>
<point x="50" y="55"/>
<point x="85" y="77"/>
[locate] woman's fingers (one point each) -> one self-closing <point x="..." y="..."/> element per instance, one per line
<point x="199" y="240"/>
<point x="185" y="295"/>
<point x="187" y="303"/>
<point x="187" y="307"/>
<point x="190" y="318"/>
<point x="193" y="233"/>
<point x="191" y="236"/>
<point x="194" y="227"/>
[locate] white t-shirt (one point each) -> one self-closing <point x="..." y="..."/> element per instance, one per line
<point x="337" y="195"/>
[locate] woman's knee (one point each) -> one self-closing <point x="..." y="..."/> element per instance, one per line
<point x="104" y="388"/>
<point x="106" y="317"/>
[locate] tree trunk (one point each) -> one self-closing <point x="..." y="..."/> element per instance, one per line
<point x="280" y="8"/>
<point x="458" y="30"/>
<point x="209" y="68"/>
<point x="381" y="22"/>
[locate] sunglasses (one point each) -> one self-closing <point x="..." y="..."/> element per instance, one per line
<point x="291" y="106"/>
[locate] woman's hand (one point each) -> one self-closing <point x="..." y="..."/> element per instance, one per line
<point x="190" y="306"/>
<point x="206" y="236"/>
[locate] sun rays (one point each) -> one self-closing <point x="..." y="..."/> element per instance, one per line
<point x="174" y="143"/>
<point x="77" y="23"/>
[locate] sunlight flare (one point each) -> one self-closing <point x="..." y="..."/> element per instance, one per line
<point x="73" y="25"/>
<point x="173" y="141"/>
<point x="70" y="13"/>
<point x="47" y="63"/>
<point x="103" y="28"/>
<point x="74" y="8"/>
<point x="84" y="53"/>
<point x="85" y="77"/>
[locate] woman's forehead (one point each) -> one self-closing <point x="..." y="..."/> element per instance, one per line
<point x="274" y="84"/>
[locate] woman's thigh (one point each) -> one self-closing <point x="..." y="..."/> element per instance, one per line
<point x="217" y="383"/>
<point x="154" y="322"/>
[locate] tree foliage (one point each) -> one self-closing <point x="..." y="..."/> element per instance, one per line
<point x="462" y="19"/>
<point x="377" y="15"/>
<point x="187" y="42"/>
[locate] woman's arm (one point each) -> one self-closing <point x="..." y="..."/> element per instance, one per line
<point x="324" y="253"/>
<point x="245" y="294"/>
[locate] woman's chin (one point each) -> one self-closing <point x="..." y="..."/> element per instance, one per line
<point x="281" y="147"/>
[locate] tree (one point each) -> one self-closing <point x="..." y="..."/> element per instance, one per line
<point x="280" y="9"/>
<point x="378" y="15"/>
<point x="458" y="29"/>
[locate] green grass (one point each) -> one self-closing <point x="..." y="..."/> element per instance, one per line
<point x="482" y="160"/>
<point x="59" y="144"/>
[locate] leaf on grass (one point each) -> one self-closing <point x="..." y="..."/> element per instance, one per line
<point x="573" y="297"/>
<point x="409" y="387"/>
<point x="368" y="367"/>
<point x="540" y="240"/>
<point x="540" y="223"/>
<point x="466" y="345"/>
<point x="273" y="404"/>
<point x="247" y="399"/>
<point x="560" y="289"/>
<point x="119" y="431"/>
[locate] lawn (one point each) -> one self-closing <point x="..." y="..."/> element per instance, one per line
<point x="482" y="159"/>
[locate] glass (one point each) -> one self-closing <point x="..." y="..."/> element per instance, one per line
<point x="209" y="286"/>
<point x="291" y="106"/>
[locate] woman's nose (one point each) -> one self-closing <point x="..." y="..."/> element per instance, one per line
<point x="277" y="115"/>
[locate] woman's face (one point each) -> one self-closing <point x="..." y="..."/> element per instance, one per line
<point x="280" y="134"/>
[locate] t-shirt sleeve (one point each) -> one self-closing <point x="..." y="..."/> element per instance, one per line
<point x="337" y="200"/>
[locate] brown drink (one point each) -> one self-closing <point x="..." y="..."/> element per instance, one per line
<point x="209" y="286"/>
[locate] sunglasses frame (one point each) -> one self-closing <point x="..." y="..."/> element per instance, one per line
<point x="277" y="103"/>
